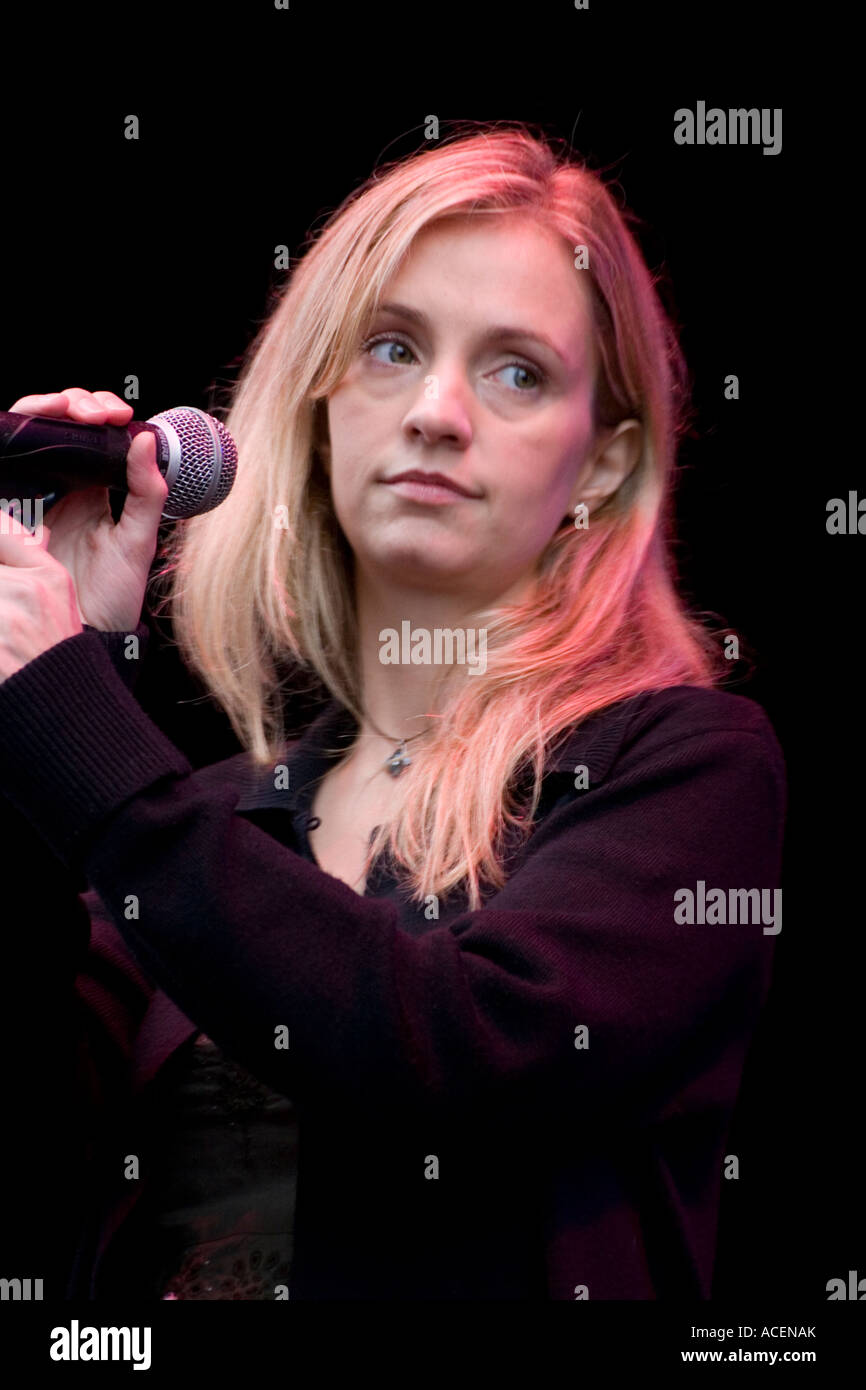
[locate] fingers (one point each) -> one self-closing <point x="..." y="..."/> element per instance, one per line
<point x="147" y="488"/>
<point x="99" y="407"/>
<point x="18" y="546"/>
<point x="52" y="404"/>
<point x="90" y="407"/>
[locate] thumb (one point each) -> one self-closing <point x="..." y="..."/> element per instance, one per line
<point x="147" y="491"/>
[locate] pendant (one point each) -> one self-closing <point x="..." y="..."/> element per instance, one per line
<point x="397" y="761"/>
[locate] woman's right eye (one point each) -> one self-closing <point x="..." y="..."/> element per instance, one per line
<point x="385" y="340"/>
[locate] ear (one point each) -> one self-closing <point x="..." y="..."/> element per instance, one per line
<point x="610" y="462"/>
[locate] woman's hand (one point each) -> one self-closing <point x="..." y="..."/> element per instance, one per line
<point x="108" y="564"/>
<point x="37" y="597"/>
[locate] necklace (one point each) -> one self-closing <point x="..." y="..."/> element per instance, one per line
<point x="398" y="760"/>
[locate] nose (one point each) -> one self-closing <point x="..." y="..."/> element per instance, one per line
<point x="439" y="411"/>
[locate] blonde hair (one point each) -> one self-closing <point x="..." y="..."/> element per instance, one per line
<point x="266" y="579"/>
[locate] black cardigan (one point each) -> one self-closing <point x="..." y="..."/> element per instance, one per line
<point x="530" y="1100"/>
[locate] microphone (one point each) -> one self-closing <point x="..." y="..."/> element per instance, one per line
<point x="195" y="452"/>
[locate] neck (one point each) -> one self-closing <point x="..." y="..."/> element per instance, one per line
<point x="400" y="699"/>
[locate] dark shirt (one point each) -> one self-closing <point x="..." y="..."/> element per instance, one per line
<point x="216" y="1218"/>
<point x="455" y="1139"/>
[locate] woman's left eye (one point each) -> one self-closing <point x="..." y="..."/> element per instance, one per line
<point x="387" y="339"/>
<point x="524" y="367"/>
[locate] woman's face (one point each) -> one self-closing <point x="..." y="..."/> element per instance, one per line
<point x="457" y="383"/>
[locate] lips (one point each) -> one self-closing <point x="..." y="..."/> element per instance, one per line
<point x="417" y="475"/>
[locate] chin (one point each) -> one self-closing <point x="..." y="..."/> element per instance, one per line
<point x="416" y="562"/>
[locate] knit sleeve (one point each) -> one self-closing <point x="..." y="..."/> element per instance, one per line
<point x="127" y="655"/>
<point x="580" y="987"/>
<point x="73" y="999"/>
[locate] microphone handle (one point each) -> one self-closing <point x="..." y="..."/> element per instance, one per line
<point x="67" y="453"/>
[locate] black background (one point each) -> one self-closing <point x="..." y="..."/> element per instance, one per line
<point x="156" y="257"/>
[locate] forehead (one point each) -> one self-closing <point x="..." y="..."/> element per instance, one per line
<point x="505" y="268"/>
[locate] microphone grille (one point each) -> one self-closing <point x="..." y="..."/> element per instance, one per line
<point x="203" y="460"/>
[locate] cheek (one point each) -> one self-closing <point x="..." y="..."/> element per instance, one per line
<point x="347" y="447"/>
<point x="339" y="421"/>
<point x="541" y="490"/>
<point x="356" y="431"/>
<point x="570" y="463"/>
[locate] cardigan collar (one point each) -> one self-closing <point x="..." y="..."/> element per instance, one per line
<point x="289" y="785"/>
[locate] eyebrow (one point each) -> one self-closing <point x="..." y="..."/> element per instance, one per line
<point x="495" y="334"/>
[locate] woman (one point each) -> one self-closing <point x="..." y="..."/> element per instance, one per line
<point x="445" y="937"/>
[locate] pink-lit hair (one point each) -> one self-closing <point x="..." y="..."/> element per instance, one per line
<point x="251" y="593"/>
